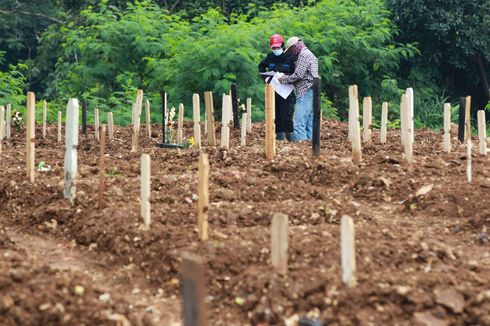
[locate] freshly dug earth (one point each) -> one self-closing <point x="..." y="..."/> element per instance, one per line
<point x="421" y="231"/>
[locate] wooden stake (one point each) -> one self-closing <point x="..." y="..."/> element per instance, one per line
<point x="139" y="102"/>
<point x="348" y="251"/>
<point x="208" y="102"/>
<point x="30" y="135"/>
<point x="384" y="121"/>
<point x="270" y="133"/>
<point x="403" y="116"/>
<point x="8" y="117"/>
<point x="136" y="128"/>
<point x="249" y="115"/>
<point x="225" y="121"/>
<point x="102" y="167"/>
<point x="96" y="124"/>
<point x="2" y="127"/>
<point x="71" y="143"/>
<point x="45" y="113"/>
<point x="180" y="124"/>
<point x="468" y="118"/>
<point x="279" y="242"/>
<point x="84" y="118"/>
<point x="193" y="291"/>
<point x="468" y="164"/>
<point x="244" y="130"/>
<point x="410" y="104"/>
<point x="145" y="190"/>
<point x="482" y="132"/>
<point x="446" y="144"/>
<point x="148" y="118"/>
<point x="367" y="114"/>
<point x="197" y="120"/>
<point x="58" y="135"/>
<point x="353" y="108"/>
<point x="110" y="125"/>
<point x="203" y="193"/>
<point x="407" y="136"/>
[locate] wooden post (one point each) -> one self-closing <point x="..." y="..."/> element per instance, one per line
<point x="2" y="126"/>
<point x="482" y="132"/>
<point x="163" y="95"/>
<point x="8" y="117"/>
<point x="139" y="102"/>
<point x="197" y="119"/>
<point x="316" y="116"/>
<point x="462" y="119"/>
<point x="225" y="121"/>
<point x="384" y="121"/>
<point x="279" y="242"/>
<point x="208" y="102"/>
<point x="446" y="145"/>
<point x="45" y="113"/>
<point x="468" y="164"/>
<point x="145" y="190"/>
<point x="84" y="117"/>
<point x="367" y="119"/>
<point x="203" y="193"/>
<point x="96" y="124"/>
<point x="406" y="135"/>
<point x="148" y="118"/>
<point x="180" y="124"/>
<point x="244" y="130"/>
<point x="270" y="133"/>
<point x="193" y="291"/>
<point x="348" y="251"/>
<point x="249" y="115"/>
<point x="110" y="125"/>
<point x="102" y="167"/>
<point x="468" y="118"/>
<point x="71" y="143"/>
<point x="234" y="104"/>
<point x="136" y="127"/>
<point x="58" y="135"/>
<point x="403" y="116"/>
<point x="30" y="135"/>
<point x="353" y="109"/>
<point x="410" y="104"/>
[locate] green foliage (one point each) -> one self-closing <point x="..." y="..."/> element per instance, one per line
<point x="12" y="84"/>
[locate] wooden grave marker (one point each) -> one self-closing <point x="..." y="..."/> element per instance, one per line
<point x="145" y="190"/>
<point x="71" y="143"/>
<point x="203" y="195"/>
<point x="249" y="115"/>
<point x="193" y="291"/>
<point x="148" y="118"/>
<point x="367" y="119"/>
<point x="482" y="132"/>
<point x="446" y="142"/>
<point x="45" y="113"/>
<point x="196" y="109"/>
<point x="30" y="135"/>
<point x="180" y="124"/>
<point x="270" y="133"/>
<point x="279" y="242"/>
<point x="101" y="203"/>
<point x="58" y="134"/>
<point x="384" y="122"/>
<point x="348" y="251"/>
<point x="209" y="106"/>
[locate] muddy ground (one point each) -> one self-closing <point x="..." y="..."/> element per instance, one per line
<point x="421" y="258"/>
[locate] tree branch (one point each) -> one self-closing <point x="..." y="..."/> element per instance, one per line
<point x="36" y="14"/>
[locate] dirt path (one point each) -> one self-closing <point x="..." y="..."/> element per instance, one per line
<point x="148" y="303"/>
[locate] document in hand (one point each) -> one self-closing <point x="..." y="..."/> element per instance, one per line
<point x="282" y="89"/>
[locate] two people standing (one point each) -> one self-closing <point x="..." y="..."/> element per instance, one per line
<point x="305" y="69"/>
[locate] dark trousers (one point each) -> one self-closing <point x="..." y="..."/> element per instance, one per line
<point x="285" y="113"/>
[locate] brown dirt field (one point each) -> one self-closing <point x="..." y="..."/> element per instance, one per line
<point x="421" y="259"/>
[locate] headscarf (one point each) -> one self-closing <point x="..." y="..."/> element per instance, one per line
<point x="296" y="49"/>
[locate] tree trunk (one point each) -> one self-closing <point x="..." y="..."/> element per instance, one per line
<point x="483" y="75"/>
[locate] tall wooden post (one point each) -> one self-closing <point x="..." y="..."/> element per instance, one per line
<point x="30" y="135"/>
<point x="8" y="117"/>
<point x="225" y="121"/>
<point x="249" y="115"/>
<point x="208" y="101"/>
<point x="384" y="121"/>
<point x="462" y="119"/>
<point x="102" y="167"/>
<point x="367" y="114"/>
<point x="482" y="132"/>
<point x="45" y="113"/>
<point x="279" y="242"/>
<point x="2" y="127"/>
<point x="203" y="193"/>
<point x="58" y="135"/>
<point x="180" y="124"/>
<point x="139" y="102"/>
<point x="193" y="291"/>
<point x="270" y="133"/>
<point x="469" y="168"/>
<point x="71" y="143"/>
<point x="410" y="103"/>
<point x="110" y="125"/>
<point x="136" y="128"/>
<point x="96" y="124"/>
<point x="316" y="116"/>
<point x="234" y="101"/>
<point x="446" y="146"/>
<point x="348" y="251"/>
<point x="243" y="130"/>
<point x="163" y="95"/>
<point x="406" y="133"/>
<point x="354" y="124"/>
<point x="196" y="108"/>
<point x="84" y="117"/>
<point x="145" y="190"/>
<point x="148" y="118"/>
<point x="468" y="118"/>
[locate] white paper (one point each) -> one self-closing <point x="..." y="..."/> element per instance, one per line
<point x="282" y="89"/>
